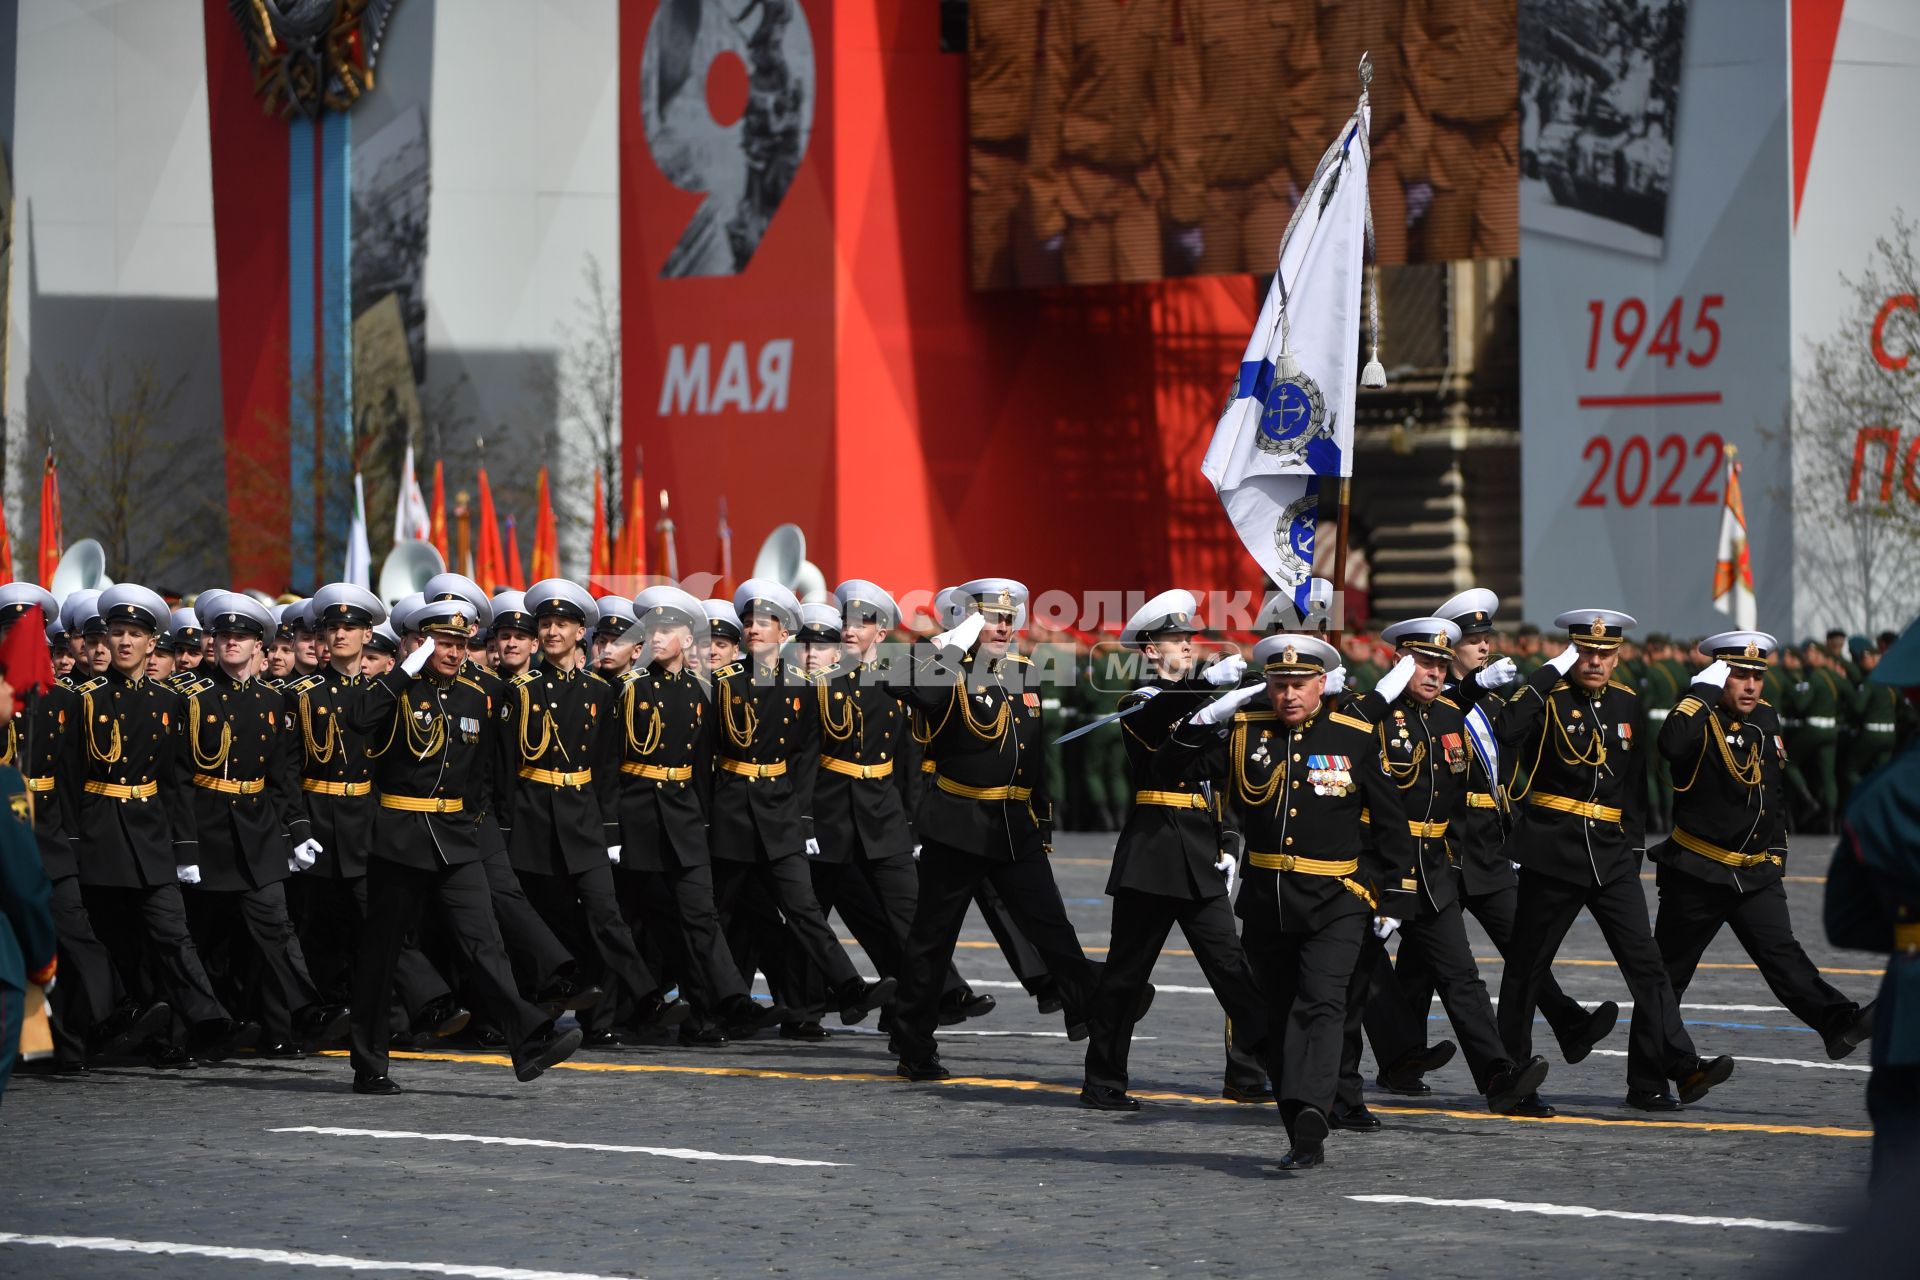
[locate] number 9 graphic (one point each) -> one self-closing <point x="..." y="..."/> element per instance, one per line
<point x="744" y="167"/>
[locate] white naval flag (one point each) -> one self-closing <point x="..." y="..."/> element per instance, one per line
<point x="1288" y="426"/>
<point x="410" y="516"/>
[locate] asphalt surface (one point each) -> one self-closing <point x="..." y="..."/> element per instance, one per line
<point x="999" y="1172"/>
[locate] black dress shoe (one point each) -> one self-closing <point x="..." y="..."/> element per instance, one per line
<point x="1851" y="1033"/>
<point x="164" y="1055"/>
<point x="1356" y="1117"/>
<point x="1106" y="1098"/>
<point x="1403" y="1076"/>
<point x="442" y="1018"/>
<point x="218" y="1039"/>
<point x="744" y="1016"/>
<point x="857" y="999"/>
<point x="543" y="1049"/>
<point x="697" y="1035"/>
<point x="599" y="1038"/>
<point x="379" y="1085"/>
<point x="320" y="1023"/>
<point x="928" y="1069"/>
<point x="50" y="1066"/>
<point x="1705" y="1075"/>
<point x="957" y="1006"/>
<point x="657" y="1015"/>
<point x="1309" y="1140"/>
<point x="279" y="1049"/>
<point x="811" y="1031"/>
<point x="123" y="1031"/>
<point x="1652" y="1100"/>
<point x="564" y="991"/>
<point x="1245" y="1093"/>
<point x="1534" y="1108"/>
<point x="1513" y="1085"/>
<point x="482" y="1036"/>
<point x="1598" y="1026"/>
<point x="1046" y="994"/>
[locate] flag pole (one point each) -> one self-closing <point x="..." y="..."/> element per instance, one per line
<point x="1340" y="559"/>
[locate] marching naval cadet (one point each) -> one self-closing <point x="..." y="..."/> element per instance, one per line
<point x="986" y="815"/>
<point x="562" y="826"/>
<point x="135" y="832"/>
<point x="1873" y="904"/>
<point x="1422" y="736"/>
<point x="329" y="898"/>
<point x="59" y="651"/>
<point x="160" y="663"/>
<point x="1300" y="773"/>
<point x="306" y="638"/>
<point x="665" y="872"/>
<point x="514" y="633"/>
<point x="556" y="983"/>
<point x="189" y="639"/>
<point x="723" y="638"/>
<point x="81" y="1005"/>
<point x="1168" y="866"/>
<point x="280" y="645"/>
<point x="80" y="616"/>
<point x="768" y="743"/>
<point x="435" y="725"/>
<point x="1724" y="863"/>
<point x="253" y="829"/>
<point x="382" y="651"/>
<point x="1579" y="842"/>
<point x="1488" y="887"/>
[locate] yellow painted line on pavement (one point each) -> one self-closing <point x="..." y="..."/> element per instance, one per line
<point x="1145" y="1095"/>
<point x="1745" y="968"/>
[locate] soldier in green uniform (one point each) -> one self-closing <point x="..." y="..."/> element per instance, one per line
<point x="1879" y="712"/>
<point x="1660" y="683"/>
<point x="1819" y="699"/>
<point x="1103" y="681"/>
<point x="1529" y="654"/>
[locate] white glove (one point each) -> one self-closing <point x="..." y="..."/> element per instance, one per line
<point x="417" y="660"/>
<point x="1564" y="660"/>
<point x="813" y="847"/>
<point x="187" y="875"/>
<point x="1221" y="709"/>
<point x="1228" y="868"/>
<point x="1226" y="672"/>
<point x="1394" y="683"/>
<point x="1336" y="681"/>
<point x="963" y="636"/>
<point x="307" y="852"/>
<point x="613" y="854"/>
<point x="916" y="853"/>
<point x="1715" y="674"/>
<point x="1383" y="927"/>
<point x="1497" y="674"/>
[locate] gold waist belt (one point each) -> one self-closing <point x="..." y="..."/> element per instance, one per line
<point x="230" y="786"/>
<point x="657" y="772"/>
<point x="1305" y="866"/>
<point x="555" y="778"/>
<point x="833" y="764"/>
<point x="1171" y="799"/>
<point x="122" y="790"/>
<point x="39" y="784"/>
<point x="1726" y="857"/>
<point x="320" y="787"/>
<point x="1583" y="808"/>
<point x="422" y="804"/>
<point x="748" y="770"/>
<point x="953" y="788"/>
<point x="1480" y="800"/>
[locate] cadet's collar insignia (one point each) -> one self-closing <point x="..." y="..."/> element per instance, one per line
<point x="1598" y="629"/>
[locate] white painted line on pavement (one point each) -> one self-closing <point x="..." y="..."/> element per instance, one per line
<point x="292" y="1258"/>
<point x="1161" y="987"/>
<point x="1582" y="1211"/>
<point x="673" y="1153"/>
<point x="1167" y="988"/>
<point x="944" y="1032"/>
<point x="1743" y="1059"/>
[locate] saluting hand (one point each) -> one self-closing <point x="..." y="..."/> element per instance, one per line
<point x="1497" y="674"/>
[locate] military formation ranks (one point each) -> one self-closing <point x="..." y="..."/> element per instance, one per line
<point x="467" y="816"/>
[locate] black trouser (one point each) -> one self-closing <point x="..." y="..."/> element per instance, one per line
<point x="1893" y="1104"/>
<point x="582" y="908"/>
<point x="275" y="973"/>
<point x="789" y="883"/>
<point x="84" y="995"/>
<point x="1141" y="922"/>
<point x="1659" y="1047"/>
<point x="1494" y="911"/>
<point x="1305" y="974"/>
<point x="525" y="934"/>
<point x="1025" y="962"/>
<point x="152" y="921"/>
<point x="1691" y="913"/>
<point x="329" y="914"/>
<point x="875" y="898"/>
<point x="674" y="907"/>
<point x="395" y="897"/>
<point x="1436" y="945"/>
<point x="948" y="880"/>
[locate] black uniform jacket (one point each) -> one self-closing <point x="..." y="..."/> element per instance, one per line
<point x="665" y="729"/>
<point x="125" y="761"/>
<point x="1299" y="793"/>
<point x="1479" y="836"/>
<point x="245" y="780"/>
<point x="988" y="795"/>
<point x="1729" y="813"/>
<point x="33" y="743"/>
<point x="767" y="746"/>
<point x="859" y="806"/>
<point x="1425" y="753"/>
<point x="437" y="746"/>
<point x="566" y="770"/>
<point x="1171" y="838"/>
<point x="1581" y="814"/>
<point x="336" y="777"/>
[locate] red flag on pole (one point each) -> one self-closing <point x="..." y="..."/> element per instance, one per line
<point x="439" y="520"/>
<point x="24" y="659"/>
<point x="488" y="569"/>
<point x="636" y="529"/>
<point x="513" y="577"/>
<point x="597" y="552"/>
<point x="50" y="535"/>
<point x="546" y="539"/>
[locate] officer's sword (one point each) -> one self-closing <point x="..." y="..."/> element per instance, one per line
<point x="1091" y="725"/>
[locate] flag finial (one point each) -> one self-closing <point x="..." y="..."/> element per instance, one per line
<point x="1366" y="71"/>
